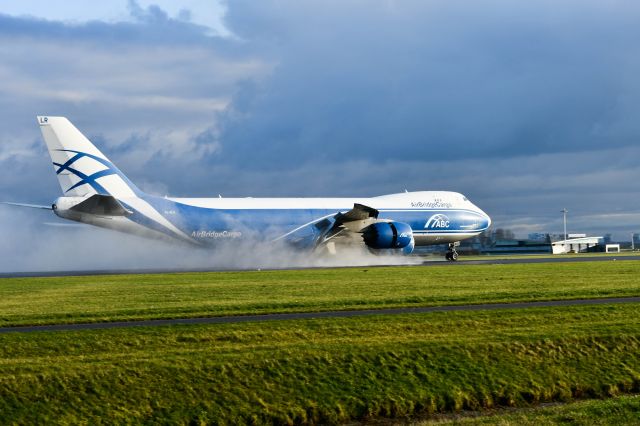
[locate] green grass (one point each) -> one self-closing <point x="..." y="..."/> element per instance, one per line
<point x="620" y="411"/>
<point x="321" y="371"/>
<point x="402" y="367"/>
<point x="125" y="297"/>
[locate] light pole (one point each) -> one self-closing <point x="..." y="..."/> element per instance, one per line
<point x="564" y="215"/>
<point x="633" y="248"/>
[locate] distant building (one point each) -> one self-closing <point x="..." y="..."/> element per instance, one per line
<point x="612" y="248"/>
<point x="502" y="241"/>
<point x="577" y="245"/>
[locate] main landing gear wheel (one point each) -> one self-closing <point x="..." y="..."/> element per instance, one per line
<point x="452" y="254"/>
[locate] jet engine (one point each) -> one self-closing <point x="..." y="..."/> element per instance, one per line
<point x="389" y="235"/>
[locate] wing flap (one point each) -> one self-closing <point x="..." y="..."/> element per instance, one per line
<point x="358" y="212"/>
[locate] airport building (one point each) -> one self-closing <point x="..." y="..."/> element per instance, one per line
<point x="496" y="242"/>
<point x="577" y="244"/>
<point x="503" y="241"/>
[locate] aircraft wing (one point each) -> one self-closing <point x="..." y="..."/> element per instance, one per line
<point x="344" y="227"/>
<point x="340" y="227"/>
<point x="348" y="225"/>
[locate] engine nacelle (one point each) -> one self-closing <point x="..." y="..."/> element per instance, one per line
<point x="389" y="235"/>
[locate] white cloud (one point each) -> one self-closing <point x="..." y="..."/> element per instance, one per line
<point x="208" y="13"/>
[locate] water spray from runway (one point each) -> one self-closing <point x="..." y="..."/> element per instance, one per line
<point x="34" y="241"/>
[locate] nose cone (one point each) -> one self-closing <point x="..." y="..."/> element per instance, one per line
<point x="481" y="220"/>
<point x="486" y="220"/>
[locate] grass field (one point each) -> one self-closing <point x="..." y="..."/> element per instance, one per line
<point x="125" y="297"/>
<point x="403" y="367"/>
<point x="321" y="371"/>
<point x="619" y="411"/>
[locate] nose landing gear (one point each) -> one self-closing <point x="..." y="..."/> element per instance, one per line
<point x="452" y="254"/>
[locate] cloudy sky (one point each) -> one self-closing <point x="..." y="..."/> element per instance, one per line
<point x="526" y="107"/>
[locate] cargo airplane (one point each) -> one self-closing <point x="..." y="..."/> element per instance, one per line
<point x="96" y="192"/>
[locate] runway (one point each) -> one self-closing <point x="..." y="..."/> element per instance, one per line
<point x="314" y="315"/>
<point x="557" y="259"/>
<point x="430" y="263"/>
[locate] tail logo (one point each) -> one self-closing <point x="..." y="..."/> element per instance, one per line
<point x="84" y="178"/>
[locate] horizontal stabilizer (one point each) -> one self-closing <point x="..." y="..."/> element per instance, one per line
<point x="103" y="205"/>
<point x="32" y="206"/>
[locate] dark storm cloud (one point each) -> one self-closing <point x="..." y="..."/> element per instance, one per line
<point x="437" y="80"/>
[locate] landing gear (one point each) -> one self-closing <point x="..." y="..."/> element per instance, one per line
<point x="452" y="254"/>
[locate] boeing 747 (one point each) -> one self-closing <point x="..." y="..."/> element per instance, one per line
<point x="96" y="192"/>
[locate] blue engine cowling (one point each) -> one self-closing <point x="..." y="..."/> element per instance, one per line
<point x="389" y="235"/>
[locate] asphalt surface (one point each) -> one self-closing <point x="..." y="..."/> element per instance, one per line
<point x="430" y="262"/>
<point x="558" y="259"/>
<point x="314" y="315"/>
